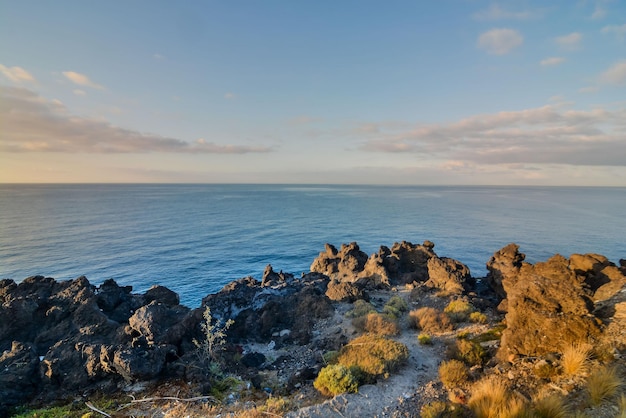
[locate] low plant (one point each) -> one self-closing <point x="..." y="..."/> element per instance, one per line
<point x="575" y="359"/>
<point x="491" y="399"/>
<point x="335" y="379"/>
<point x="549" y="407"/>
<point x="330" y="357"/>
<point x="440" y="410"/>
<point x="430" y="320"/>
<point x="453" y="373"/>
<point x="545" y="370"/>
<point x="458" y="310"/>
<point x="376" y="323"/>
<point x="360" y="308"/>
<point x="478" y="317"/>
<point x="424" y="339"/>
<point x="493" y="334"/>
<point x="603" y="384"/>
<point x="621" y="407"/>
<point x="469" y="352"/>
<point x="373" y="355"/>
<point x="395" y="307"/>
<point x="214" y="336"/>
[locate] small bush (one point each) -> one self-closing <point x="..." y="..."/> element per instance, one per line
<point x="490" y="399"/>
<point x="545" y="370"/>
<point x="330" y="357"/>
<point x="430" y="320"/>
<point x="603" y="384"/>
<point x="549" y="407"/>
<point x="621" y="406"/>
<point x="453" y="373"/>
<point x="424" y="339"/>
<point x="458" y="310"/>
<point x="575" y="359"/>
<point x="376" y="323"/>
<point x="440" y="410"/>
<point x="395" y="307"/>
<point x="373" y="355"/>
<point x="491" y="335"/>
<point x="360" y="308"/>
<point x="469" y="352"/>
<point x="478" y="318"/>
<point x="335" y="379"/>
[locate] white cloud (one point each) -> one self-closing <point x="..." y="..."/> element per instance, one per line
<point x="32" y="123"/>
<point x="588" y="89"/>
<point x="569" y="42"/>
<point x="229" y="96"/>
<point x="81" y="80"/>
<point x="552" y="61"/>
<point x="79" y="92"/>
<point x="618" y="30"/>
<point x="616" y="74"/>
<point x="16" y="74"/>
<point x="495" y="12"/>
<point x="500" y="41"/>
<point x="545" y="135"/>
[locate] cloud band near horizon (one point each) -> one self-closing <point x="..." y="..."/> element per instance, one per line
<point x="31" y="123"/>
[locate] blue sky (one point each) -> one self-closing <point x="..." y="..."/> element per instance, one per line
<point x="397" y="92"/>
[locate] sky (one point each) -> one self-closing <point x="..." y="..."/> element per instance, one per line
<point x="463" y="92"/>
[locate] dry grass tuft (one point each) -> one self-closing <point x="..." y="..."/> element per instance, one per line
<point x="603" y="384"/>
<point x="575" y="359"/>
<point x="453" y="373"/>
<point x="376" y="323"/>
<point x="360" y="308"/>
<point x="621" y="405"/>
<point x="458" y="310"/>
<point x="430" y="320"/>
<point x="549" y="407"/>
<point x="490" y="399"/>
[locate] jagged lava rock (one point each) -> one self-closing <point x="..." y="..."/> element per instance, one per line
<point x="549" y="306"/>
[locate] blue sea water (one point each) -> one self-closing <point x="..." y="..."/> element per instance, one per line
<point x="196" y="238"/>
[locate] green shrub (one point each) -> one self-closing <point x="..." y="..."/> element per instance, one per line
<point x="395" y="307"/>
<point x="330" y="357"/>
<point x="360" y="308"/>
<point x="373" y="355"/>
<point x="469" y="352"/>
<point x="453" y="373"/>
<point x="478" y="318"/>
<point x="335" y="379"/>
<point x="424" y="339"/>
<point x="458" y="310"/>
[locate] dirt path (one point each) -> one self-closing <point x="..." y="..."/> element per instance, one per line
<point x="382" y="399"/>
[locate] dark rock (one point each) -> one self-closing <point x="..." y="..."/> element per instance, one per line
<point x="254" y="360"/>
<point x="345" y="264"/>
<point x="271" y="278"/>
<point x="162" y="295"/>
<point x="344" y="291"/>
<point x="140" y="364"/>
<point x="154" y="322"/>
<point x="18" y="375"/>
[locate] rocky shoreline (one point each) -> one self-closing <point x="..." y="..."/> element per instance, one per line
<point x="70" y="340"/>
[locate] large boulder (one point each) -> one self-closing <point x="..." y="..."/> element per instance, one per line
<point x="344" y="291"/>
<point x="18" y="375"/>
<point x="343" y="265"/>
<point x="549" y="306"/>
<point x="504" y="267"/>
<point x="448" y="275"/>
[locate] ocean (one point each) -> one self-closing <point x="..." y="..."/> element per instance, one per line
<point x="194" y="239"/>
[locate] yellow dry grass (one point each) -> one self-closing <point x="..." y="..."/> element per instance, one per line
<point x="575" y="359"/>
<point x="603" y="384"/>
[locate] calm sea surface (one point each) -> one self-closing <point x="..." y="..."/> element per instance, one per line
<point x="196" y="238"/>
